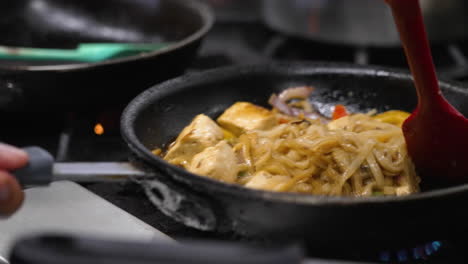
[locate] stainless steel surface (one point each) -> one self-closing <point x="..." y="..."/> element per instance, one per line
<point x="362" y="22"/>
<point x="96" y="171"/>
<point x="66" y="207"/>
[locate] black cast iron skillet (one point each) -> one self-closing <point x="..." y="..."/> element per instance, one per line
<point x="57" y="86"/>
<point x="324" y="224"/>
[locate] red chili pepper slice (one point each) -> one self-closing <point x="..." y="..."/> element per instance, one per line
<point x="340" y="111"/>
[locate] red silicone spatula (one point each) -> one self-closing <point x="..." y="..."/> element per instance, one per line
<point x="436" y="133"/>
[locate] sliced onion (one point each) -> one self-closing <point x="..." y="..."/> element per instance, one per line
<point x="301" y="92"/>
<point x="314" y="116"/>
<point x="281" y="105"/>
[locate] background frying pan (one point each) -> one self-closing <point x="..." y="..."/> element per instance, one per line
<point x="361" y="22"/>
<point x="325" y="224"/>
<point x="52" y="86"/>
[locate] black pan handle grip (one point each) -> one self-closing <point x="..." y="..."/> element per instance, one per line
<point x="58" y="249"/>
<point x="38" y="171"/>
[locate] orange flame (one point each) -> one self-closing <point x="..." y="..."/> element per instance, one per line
<point x="98" y="129"/>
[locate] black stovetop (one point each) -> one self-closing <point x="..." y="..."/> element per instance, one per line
<point x="76" y="137"/>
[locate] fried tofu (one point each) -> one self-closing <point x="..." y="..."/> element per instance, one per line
<point x="266" y="181"/>
<point x="403" y="190"/>
<point x="218" y="162"/>
<point x="243" y="116"/>
<point x="339" y="124"/>
<point x="202" y="133"/>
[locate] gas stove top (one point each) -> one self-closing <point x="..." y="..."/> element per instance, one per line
<point x="94" y="136"/>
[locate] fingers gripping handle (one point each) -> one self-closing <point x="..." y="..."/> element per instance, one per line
<point x="38" y="171"/>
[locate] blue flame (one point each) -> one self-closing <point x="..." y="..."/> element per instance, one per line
<point x="385" y="256"/>
<point x="420" y="252"/>
<point x="436" y="245"/>
<point x="402" y="256"/>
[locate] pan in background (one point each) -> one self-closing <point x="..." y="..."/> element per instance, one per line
<point x="52" y="86"/>
<point x="324" y="224"/>
<point x="365" y="23"/>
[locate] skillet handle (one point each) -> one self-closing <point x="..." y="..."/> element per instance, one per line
<point x="38" y="171"/>
<point x="57" y="249"/>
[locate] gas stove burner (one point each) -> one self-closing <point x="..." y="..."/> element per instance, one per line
<point x="450" y="58"/>
<point x="422" y="252"/>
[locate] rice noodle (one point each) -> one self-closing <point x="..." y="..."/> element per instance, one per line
<point x="356" y="155"/>
<point x="334" y="162"/>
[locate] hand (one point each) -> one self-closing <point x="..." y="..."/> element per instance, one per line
<point x="11" y="194"/>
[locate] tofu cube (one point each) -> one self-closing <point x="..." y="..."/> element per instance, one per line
<point x="339" y="124"/>
<point x="242" y="117"/>
<point x="218" y="162"/>
<point x="403" y="190"/>
<point x="202" y="133"/>
<point x="266" y="181"/>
